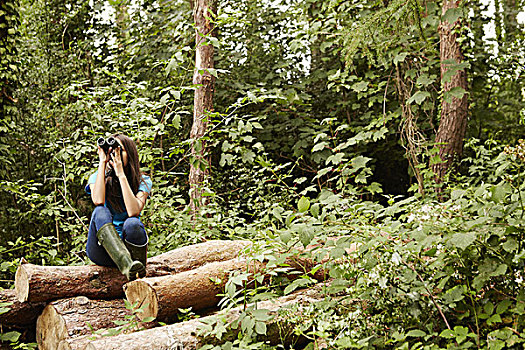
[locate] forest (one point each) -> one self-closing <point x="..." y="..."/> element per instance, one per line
<point x="378" y="144"/>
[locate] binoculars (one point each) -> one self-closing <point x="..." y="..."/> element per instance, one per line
<point x="108" y="143"/>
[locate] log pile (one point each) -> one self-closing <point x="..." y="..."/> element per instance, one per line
<point x="35" y="283"/>
<point x="72" y="302"/>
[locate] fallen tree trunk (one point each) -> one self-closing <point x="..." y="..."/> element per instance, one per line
<point x="162" y="296"/>
<point x="66" y="323"/>
<point x="184" y="335"/>
<point x="19" y="314"/>
<point x="45" y="283"/>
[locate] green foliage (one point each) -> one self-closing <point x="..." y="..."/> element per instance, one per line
<point x="414" y="272"/>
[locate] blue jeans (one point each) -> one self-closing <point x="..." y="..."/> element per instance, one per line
<point x="133" y="231"/>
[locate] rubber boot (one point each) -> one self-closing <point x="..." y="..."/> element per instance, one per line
<point x="109" y="238"/>
<point x="139" y="253"/>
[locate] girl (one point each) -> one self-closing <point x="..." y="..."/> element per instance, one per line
<point x="116" y="235"/>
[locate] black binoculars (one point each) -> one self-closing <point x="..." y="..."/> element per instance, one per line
<point x="108" y="143"/>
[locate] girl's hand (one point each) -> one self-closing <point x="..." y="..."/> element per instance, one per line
<point x="102" y="157"/>
<point x="116" y="163"/>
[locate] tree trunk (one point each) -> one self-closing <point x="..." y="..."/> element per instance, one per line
<point x="453" y="124"/>
<point x="203" y="101"/>
<point x="198" y="289"/>
<point x="19" y="314"/>
<point x="64" y="323"/>
<point x="183" y="336"/>
<point x="45" y="283"/>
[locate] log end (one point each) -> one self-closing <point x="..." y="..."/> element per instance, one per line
<point x="50" y="329"/>
<point x="140" y="292"/>
<point x="22" y="284"/>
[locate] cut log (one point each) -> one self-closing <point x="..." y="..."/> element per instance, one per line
<point x="35" y="283"/>
<point x="184" y="335"/>
<point x="161" y="297"/>
<point x="19" y="314"/>
<point x="63" y="321"/>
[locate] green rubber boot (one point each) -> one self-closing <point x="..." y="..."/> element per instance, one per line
<point x="139" y="253"/>
<point x="109" y="238"/>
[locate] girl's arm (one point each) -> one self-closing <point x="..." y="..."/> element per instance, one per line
<point x="134" y="204"/>
<point x="98" y="189"/>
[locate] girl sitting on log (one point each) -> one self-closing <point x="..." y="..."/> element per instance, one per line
<point x="116" y="235"/>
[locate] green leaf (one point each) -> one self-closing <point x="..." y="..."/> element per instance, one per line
<point x="511" y="245"/>
<point x="425" y="80"/>
<point x="319" y="146"/>
<point x="447" y="333"/>
<point x="489" y="308"/>
<point x="305" y="237"/>
<point x="456" y="194"/>
<point x="262" y="314"/>
<point x="335" y="159"/>
<point x="503" y="306"/>
<point x="303" y="205"/>
<point x="171" y="65"/>
<point x="494" y="319"/>
<point x="285" y="237"/>
<point x="418" y="97"/>
<point x="301" y="282"/>
<point x="10" y="337"/>
<point x="400" y="57"/>
<point x="360" y="86"/>
<point x="214" y="41"/>
<point x="179" y="56"/>
<point x="314" y="210"/>
<point x="176" y="94"/>
<point x="462" y="240"/>
<point x="457" y="92"/>
<point x="416" y="333"/>
<point x="260" y="328"/>
<point x="360" y="162"/>
<point x="452" y="15"/>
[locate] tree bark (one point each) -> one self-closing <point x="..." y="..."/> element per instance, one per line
<point x="183" y="336"/>
<point x="45" y="283"/>
<point x="203" y="100"/>
<point x="163" y="296"/>
<point x="19" y="314"/>
<point x="198" y="289"/>
<point x="453" y="124"/>
<point x="64" y="323"/>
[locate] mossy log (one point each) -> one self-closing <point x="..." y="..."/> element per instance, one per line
<point x="19" y="314"/>
<point x="184" y="335"/>
<point x="35" y="283"/>
<point x="161" y="297"/>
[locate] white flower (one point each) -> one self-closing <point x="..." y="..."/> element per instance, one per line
<point x="426" y="208"/>
<point x="396" y="258"/>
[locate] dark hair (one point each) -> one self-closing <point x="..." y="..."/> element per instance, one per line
<point x="132" y="171"/>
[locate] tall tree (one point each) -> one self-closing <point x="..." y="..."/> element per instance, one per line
<point x="454" y="107"/>
<point x="203" y="11"/>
